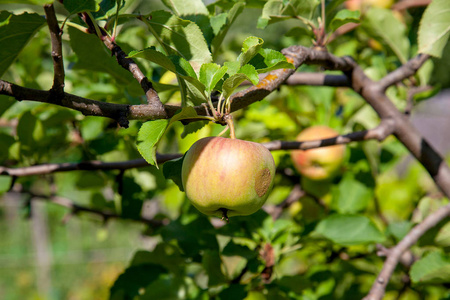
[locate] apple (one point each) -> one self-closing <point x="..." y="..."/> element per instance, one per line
<point x="227" y="177"/>
<point x="319" y="163"/>
<point x="364" y="4"/>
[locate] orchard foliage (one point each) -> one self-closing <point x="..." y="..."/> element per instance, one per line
<point x="146" y="79"/>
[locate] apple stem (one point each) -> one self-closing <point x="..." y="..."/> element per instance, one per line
<point x="224" y="215"/>
<point x="229" y="120"/>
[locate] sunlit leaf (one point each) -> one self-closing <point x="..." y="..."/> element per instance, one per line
<point x="279" y="10"/>
<point x="250" y="48"/>
<point x="434" y="28"/>
<point x="344" y="16"/>
<point x="379" y="23"/>
<point x="76" y="6"/>
<point x="149" y="136"/>
<point x="179" y="37"/>
<point x="179" y="7"/>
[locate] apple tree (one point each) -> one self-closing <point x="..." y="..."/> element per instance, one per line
<point x="101" y="100"/>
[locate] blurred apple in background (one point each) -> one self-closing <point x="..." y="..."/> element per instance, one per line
<point x="320" y="163"/>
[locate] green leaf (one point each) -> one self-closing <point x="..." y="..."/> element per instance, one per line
<point x="434" y="28"/>
<point x="351" y="195"/>
<point x="149" y="136"/>
<point x="250" y="48"/>
<point x="151" y="133"/>
<point x="232" y="67"/>
<point x="92" y="56"/>
<point x="212" y="263"/>
<point x="279" y="10"/>
<point x="134" y="278"/>
<point x="222" y="23"/>
<point x="5" y="183"/>
<point x="132" y="198"/>
<point x="185" y="113"/>
<point x="268" y="60"/>
<point x="432" y="268"/>
<point x="164" y="254"/>
<point x="247" y="72"/>
<point x="108" y="8"/>
<point x="211" y="74"/>
<point x="181" y="8"/>
<point x="172" y="170"/>
<point x="6" y="141"/>
<point x="15" y="32"/>
<point x="193" y="127"/>
<point x="29" y="130"/>
<point x="77" y="6"/>
<point x="217" y="22"/>
<point x="379" y="23"/>
<point x="193" y="236"/>
<point x="166" y="287"/>
<point x="349" y="230"/>
<point x="399" y="229"/>
<point x="179" y="37"/>
<point x="35" y="2"/>
<point x="345" y="16"/>
<point x="175" y="64"/>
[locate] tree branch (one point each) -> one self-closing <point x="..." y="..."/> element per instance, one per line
<point x="395" y="254"/>
<point x="106" y="215"/>
<point x="379" y="133"/>
<point x="276" y="210"/>
<point x="88" y="107"/>
<point x="57" y="55"/>
<point x="86" y="166"/>
<point x="122" y="112"/>
<point x="403" y="72"/>
<point x="128" y="64"/>
<point x="405" y="4"/>
<point x="318" y="79"/>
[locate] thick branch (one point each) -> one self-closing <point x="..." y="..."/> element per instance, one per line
<point x="57" y="55"/>
<point x="314" y="79"/>
<point x="122" y="112"/>
<point x="118" y="112"/>
<point x="374" y="94"/>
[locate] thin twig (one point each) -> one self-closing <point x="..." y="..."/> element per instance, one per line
<point x="405" y="4"/>
<point x="106" y="215"/>
<point x="341" y="31"/>
<point x="276" y="210"/>
<point x="88" y="165"/>
<point x="379" y="133"/>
